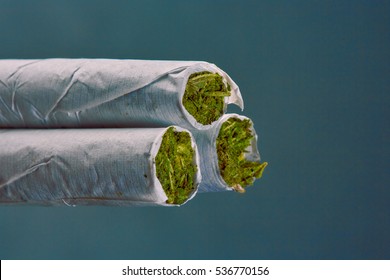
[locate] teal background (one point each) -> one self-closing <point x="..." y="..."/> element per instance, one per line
<point x="315" y="77"/>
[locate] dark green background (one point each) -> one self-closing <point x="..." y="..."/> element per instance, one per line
<point x="315" y="80"/>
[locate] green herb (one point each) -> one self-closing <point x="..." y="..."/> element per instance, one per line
<point x="174" y="166"/>
<point x="234" y="137"/>
<point x="204" y="96"/>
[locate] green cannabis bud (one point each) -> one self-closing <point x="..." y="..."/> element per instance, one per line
<point x="204" y="96"/>
<point x="175" y="166"/>
<point x="233" y="139"/>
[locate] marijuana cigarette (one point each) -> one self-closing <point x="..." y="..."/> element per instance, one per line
<point x="92" y="93"/>
<point x="140" y="166"/>
<point x="229" y="158"/>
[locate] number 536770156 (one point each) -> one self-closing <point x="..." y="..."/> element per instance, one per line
<point x="241" y="270"/>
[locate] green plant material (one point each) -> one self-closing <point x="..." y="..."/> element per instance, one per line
<point x="175" y="166"/>
<point x="204" y="96"/>
<point x="234" y="137"/>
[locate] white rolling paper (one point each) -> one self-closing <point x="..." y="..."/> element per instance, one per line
<point x="56" y="93"/>
<point x="212" y="180"/>
<point x="82" y="166"/>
